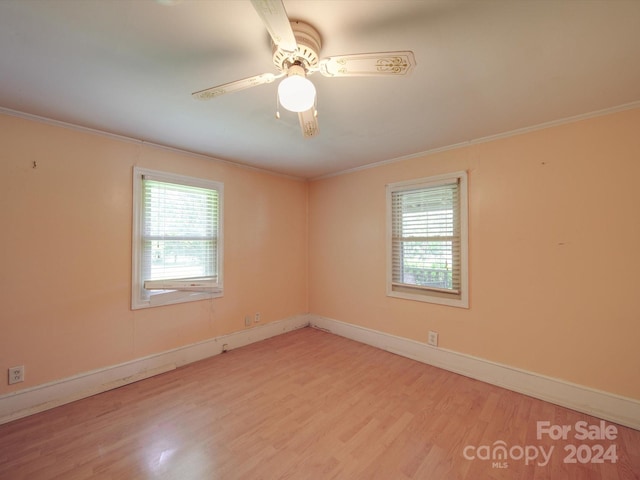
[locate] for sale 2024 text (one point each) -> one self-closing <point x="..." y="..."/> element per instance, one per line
<point x="582" y="430"/>
<point x="500" y="454"/>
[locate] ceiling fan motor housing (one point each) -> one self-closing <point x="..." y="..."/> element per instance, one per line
<point x="307" y="53"/>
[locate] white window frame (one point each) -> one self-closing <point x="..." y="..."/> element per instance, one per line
<point x="148" y="293"/>
<point x="425" y="294"/>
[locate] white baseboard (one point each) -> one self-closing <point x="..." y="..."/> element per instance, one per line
<point x="25" y="402"/>
<point x="604" y="405"/>
<point x="608" y="406"/>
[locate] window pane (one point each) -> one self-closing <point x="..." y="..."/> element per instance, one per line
<point x="426" y="240"/>
<point x="173" y="259"/>
<point x="427" y="264"/>
<point x="180" y="231"/>
<point x="173" y="210"/>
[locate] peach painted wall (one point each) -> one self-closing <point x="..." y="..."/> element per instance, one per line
<point x="554" y="226"/>
<point x="65" y="252"/>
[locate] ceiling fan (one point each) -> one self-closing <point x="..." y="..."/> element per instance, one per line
<point x="296" y="47"/>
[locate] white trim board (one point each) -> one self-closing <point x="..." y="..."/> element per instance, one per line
<point x="80" y="128"/>
<point x="622" y="410"/>
<point x="26" y="402"/>
<point x="488" y="138"/>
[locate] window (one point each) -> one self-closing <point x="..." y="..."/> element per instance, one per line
<point x="427" y="240"/>
<point x="177" y="239"/>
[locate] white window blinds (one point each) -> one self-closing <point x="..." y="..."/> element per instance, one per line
<point x="177" y="238"/>
<point x="180" y="231"/>
<point x="427" y="244"/>
<point x="426" y="237"/>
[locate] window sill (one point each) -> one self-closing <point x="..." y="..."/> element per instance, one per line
<point x="428" y="296"/>
<point x="172" y="297"/>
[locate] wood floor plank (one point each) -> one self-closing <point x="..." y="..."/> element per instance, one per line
<point x="303" y="405"/>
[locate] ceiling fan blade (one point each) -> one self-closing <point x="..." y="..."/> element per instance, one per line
<point x="275" y="18"/>
<point x="368" y="64"/>
<point x="231" y="87"/>
<point x="309" y="122"/>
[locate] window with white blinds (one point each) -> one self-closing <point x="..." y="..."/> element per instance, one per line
<point x="428" y="240"/>
<point x="177" y="238"/>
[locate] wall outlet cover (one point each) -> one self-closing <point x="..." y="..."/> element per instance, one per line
<point x="16" y="374"/>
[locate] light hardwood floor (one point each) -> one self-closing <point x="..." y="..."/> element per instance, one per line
<point x="305" y="405"/>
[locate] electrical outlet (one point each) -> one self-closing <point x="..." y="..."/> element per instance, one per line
<point x="247" y="320"/>
<point x="433" y="339"/>
<point x="257" y="318"/>
<point x="16" y="374"/>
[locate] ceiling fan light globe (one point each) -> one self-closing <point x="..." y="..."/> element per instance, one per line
<point x="296" y="93"/>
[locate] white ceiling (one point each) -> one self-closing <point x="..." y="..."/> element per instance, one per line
<point x="484" y="67"/>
